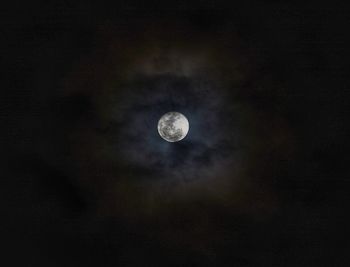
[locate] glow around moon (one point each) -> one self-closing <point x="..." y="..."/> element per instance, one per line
<point x="173" y="126"/>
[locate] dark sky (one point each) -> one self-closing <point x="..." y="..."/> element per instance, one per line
<point x="260" y="179"/>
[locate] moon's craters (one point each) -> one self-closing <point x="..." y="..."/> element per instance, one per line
<point x="173" y="126"/>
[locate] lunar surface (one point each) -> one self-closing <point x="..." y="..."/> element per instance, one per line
<point x="173" y="126"/>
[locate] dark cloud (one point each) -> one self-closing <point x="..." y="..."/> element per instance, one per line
<point x="158" y="95"/>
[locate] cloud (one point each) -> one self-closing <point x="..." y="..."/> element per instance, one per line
<point x="145" y="100"/>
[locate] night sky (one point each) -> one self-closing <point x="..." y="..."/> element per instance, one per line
<point x="259" y="180"/>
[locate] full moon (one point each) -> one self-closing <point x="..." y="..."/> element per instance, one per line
<point x="173" y="126"/>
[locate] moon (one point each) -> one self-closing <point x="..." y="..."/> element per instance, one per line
<point x="173" y="126"/>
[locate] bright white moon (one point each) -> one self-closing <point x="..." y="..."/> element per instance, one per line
<point x="173" y="126"/>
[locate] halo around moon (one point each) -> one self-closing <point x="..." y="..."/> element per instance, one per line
<point x="173" y="126"/>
